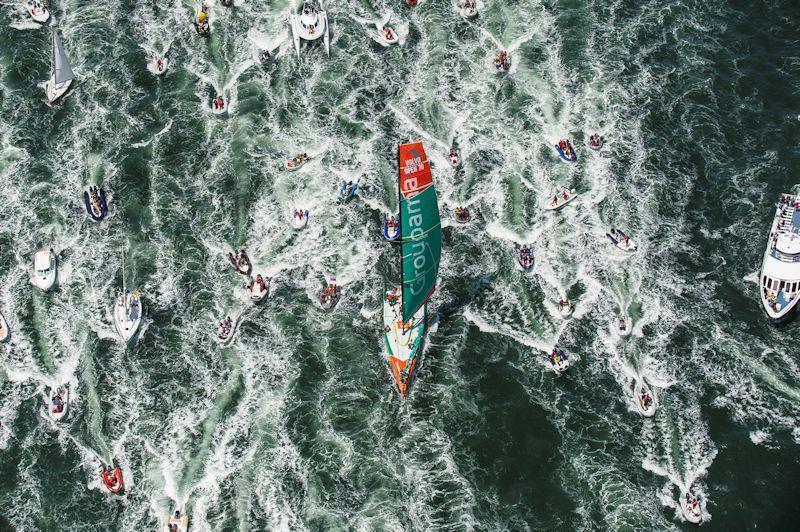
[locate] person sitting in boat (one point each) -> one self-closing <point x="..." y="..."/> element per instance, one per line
<point x="411" y="3"/>
<point x="159" y="64"/>
<point x="219" y="103"/>
<point x="622" y="325"/>
<point x="388" y="35"/>
<point x="501" y="61"/>
<point x="260" y="282"/>
<point x="391" y="222"/>
<point x="58" y="403"/>
<point x="202" y="21"/>
<point x="265" y="56"/>
<point x="646" y="399"/>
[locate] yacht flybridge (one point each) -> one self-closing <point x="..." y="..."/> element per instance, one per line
<point x="779" y="281"/>
<point x="310" y="24"/>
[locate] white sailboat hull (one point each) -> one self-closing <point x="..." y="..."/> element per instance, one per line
<point x="127" y="316"/>
<point x="54" y="90"/>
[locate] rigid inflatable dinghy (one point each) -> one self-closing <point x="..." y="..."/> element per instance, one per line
<point x="691" y="509"/>
<point x="176" y="523"/>
<point x="525" y="258"/>
<point x="258" y="288"/>
<point x="621" y="239"/>
<point x="391" y="228"/>
<point x="565" y="308"/>
<point x="560" y="199"/>
<point x="38" y="11"/>
<point x="566" y="151"/>
<point x="347" y="190"/>
<point x="297" y="162"/>
<point x="201" y="23"/>
<point x="112" y="479"/>
<point x="300" y="219"/>
<point x="218" y="105"/>
<point x="58" y="403"/>
<point x="558" y="360"/>
<point x="596" y="142"/>
<point x="468" y="8"/>
<point x="502" y="62"/>
<point x="95" y="200"/>
<point x="158" y="66"/>
<point x="241" y="262"/>
<point x="454" y="158"/>
<point x="462" y="215"/>
<point x="623" y="326"/>
<point x="329" y="296"/>
<point x="44" y="269"/>
<point x="644" y="399"/>
<point x="227" y="329"/>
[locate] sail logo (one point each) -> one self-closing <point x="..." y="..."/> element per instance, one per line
<point x="418" y="243"/>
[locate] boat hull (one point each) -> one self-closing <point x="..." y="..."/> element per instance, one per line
<point x="402" y="343"/>
<point x="4" y="332"/>
<point x="564" y="155"/>
<point x="55" y="91"/>
<point x="97" y="217"/>
<point x="127" y="316"/>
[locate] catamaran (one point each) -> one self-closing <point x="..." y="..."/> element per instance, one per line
<point x="310" y="24"/>
<point x="404" y="307"/>
<point x="61" y="75"/>
<point x="780" y="269"/>
<point x="127" y="310"/>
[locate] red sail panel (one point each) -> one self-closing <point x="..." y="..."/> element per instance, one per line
<point x="415" y="171"/>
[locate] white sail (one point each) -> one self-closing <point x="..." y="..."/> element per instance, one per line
<point x="61" y="69"/>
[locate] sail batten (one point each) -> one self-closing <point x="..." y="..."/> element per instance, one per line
<point x="61" y="69"/>
<point x="420" y="228"/>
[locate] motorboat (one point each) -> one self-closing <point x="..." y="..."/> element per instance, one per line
<point x="560" y="199"/>
<point x="566" y="151"/>
<point x="94" y="198"/>
<point x="391" y="228"/>
<point x="44" y="269"/>
<point x="296" y="162"/>
<point x="455" y="160"/>
<point x="176" y="522"/>
<point x="525" y="258"/>
<point x="779" y="280"/>
<point x="112" y="479"/>
<point x="623" y="326"/>
<point x="266" y="57"/>
<point x="347" y="190"/>
<point x="218" y="105"/>
<point x="58" y="403"/>
<point x="468" y="8"/>
<point x="258" y="288"/>
<point x="330" y="295"/>
<point x="387" y="35"/>
<point x="502" y="62"/>
<point x="462" y="215"/>
<point x="61" y="74"/>
<point x="644" y="399"/>
<point x="4" y="330"/>
<point x="691" y="509"/>
<point x="300" y="219"/>
<point x="558" y="360"/>
<point x="622" y="240"/>
<point x="405" y="306"/>
<point x="227" y="330"/>
<point x="309" y="24"/>
<point x="158" y="65"/>
<point x="596" y="142"/>
<point x="127" y="310"/>
<point x="565" y="308"/>
<point x="241" y="262"/>
<point x="202" y="25"/>
<point x="38" y="11"/>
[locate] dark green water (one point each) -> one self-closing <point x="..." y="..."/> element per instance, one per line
<point x="295" y="425"/>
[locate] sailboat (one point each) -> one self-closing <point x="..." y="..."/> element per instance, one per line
<point x="61" y="76"/>
<point x="404" y="315"/>
<point x="127" y="310"/>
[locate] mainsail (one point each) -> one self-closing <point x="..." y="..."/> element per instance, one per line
<point x="61" y="68"/>
<point x="420" y="227"/>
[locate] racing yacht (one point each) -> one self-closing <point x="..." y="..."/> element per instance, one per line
<point x="44" y="269"/>
<point x="310" y="24"/>
<point x="61" y="74"/>
<point x="779" y="281"/>
<point x="127" y="310"/>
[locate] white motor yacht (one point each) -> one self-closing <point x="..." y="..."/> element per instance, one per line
<point x="779" y="281"/>
<point x="309" y="24"/>
<point x="44" y="269"/>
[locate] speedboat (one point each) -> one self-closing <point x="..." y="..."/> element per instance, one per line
<point x="4" y="331"/>
<point x="621" y="239"/>
<point x="297" y="162"/>
<point x="468" y="8"/>
<point x="402" y="340"/>
<point x="44" y="269"/>
<point x="387" y="35"/>
<point x="158" y="66"/>
<point x="226" y="3"/>
<point x="112" y="479"/>
<point x="462" y="215"/>
<point x="38" y="11"/>
<point x="779" y="281"/>
<point x="347" y="190"/>
<point x="218" y="106"/>
<point x="310" y="24"/>
<point x="227" y="329"/>
<point x="176" y="523"/>
<point x="454" y="158"/>
<point x="391" y="228"/>
<point x="558" y="360"/>
<point x="241" y="262"/>
<point x="644" y="399"/>
<point x="201" y="22"/>
<point x="623" y="326"/>
<point x="525" y="258"/>
<point x="329" y="296"/>
<point x="61" y="74"/>
<point x="502" y="62"/>
<point x="566" y="151"/>
<point x="265" y="57"/>
<point x="691" y="510"/>
<point x="299" y="219"/>
<point x="127" y="314"/>
<point x="596" y="142"/>
<point x="58" y="403"/>
<point x="95" y="200"/>
<point x="560" y="199"/>
<point x="258" y="288"/>
<point x="565" y="308"/>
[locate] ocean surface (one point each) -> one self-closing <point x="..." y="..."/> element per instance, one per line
<point x="295" y="426"/>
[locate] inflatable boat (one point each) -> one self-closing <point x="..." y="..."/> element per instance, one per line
<point x="112" y="479"/>
<point x="58" y="403"/>
<point x="347" y="190"/>
<point x="95" y="200"/>
<point x="391" y="228"/>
